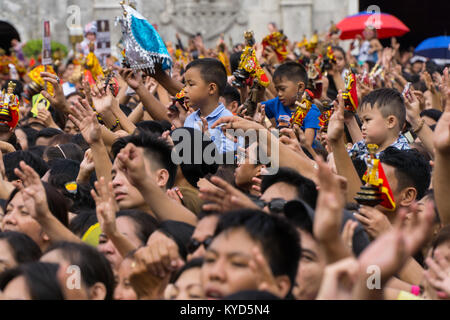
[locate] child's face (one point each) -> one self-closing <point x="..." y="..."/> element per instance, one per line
<point x="286" y="90"/>
<point x="196" y="89"/>
<point x="374" y="125"/>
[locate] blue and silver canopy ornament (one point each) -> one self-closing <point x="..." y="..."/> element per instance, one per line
<point x="143" y="46"/>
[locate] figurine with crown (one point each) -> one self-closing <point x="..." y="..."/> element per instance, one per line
<point x="9" y="108"/>
<point x="250" y="73"/>
<point x="376" y="190"/>
<point x="249" y="68"/>
<point x="302" y="108"/>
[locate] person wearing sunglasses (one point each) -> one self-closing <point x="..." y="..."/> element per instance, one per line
<point x="287" y="184"/>
<point x="203" y="234"/>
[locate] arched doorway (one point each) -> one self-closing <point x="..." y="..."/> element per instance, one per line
<point x="7" y="33"/>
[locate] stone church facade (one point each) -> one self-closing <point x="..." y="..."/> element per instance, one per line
<point x="186" y="17"/>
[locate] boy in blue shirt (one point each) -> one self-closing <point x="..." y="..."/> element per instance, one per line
<point x="290" y="82"/>
<point x="205" y="81"/>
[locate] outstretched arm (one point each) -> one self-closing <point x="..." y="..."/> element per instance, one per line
<point x="131" y="162"/>
<point x="172" y="86"/>
<point x="153" y="106"/>
<point x="279" y="153"/>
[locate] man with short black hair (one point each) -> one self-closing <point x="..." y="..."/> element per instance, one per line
<point x="158" y="165"/>
<point x="247" y="244"/>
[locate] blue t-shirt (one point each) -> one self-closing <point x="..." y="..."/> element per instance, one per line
<point x="275" y="109"/>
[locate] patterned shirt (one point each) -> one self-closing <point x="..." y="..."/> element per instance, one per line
<point x="360" y="151"/>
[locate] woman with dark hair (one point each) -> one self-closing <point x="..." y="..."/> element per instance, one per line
<point x="124" y="290"/>
<point x="17" y="248"/>
<point x="96" y="272"/>
<point x="179" y="232"/>
<point x="26" y="136"/>
<point x="70" y="151"/>
<point x="31" y="281"/>
<point x="135" y="225"/>
<point x="186" y="282"/>
<point x="36" y="209"/>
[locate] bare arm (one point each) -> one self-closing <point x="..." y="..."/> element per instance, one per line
<point x="344" y="164"/>
<point x="85" y="119"/>
<point x="106" y="208"/>
<point x="172" y="86"/>
<point x="279" y="153"/>
<point x="328" y="216"/>
<point x="153" y="106"/>
<point x="412" y="272"/>
<point x="353" y="128"/>
<point x="130" y="161"/>
<point x="124" y="121"/>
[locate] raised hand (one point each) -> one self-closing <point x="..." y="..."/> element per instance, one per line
<point x="106" y="206"/>
<point x="101" y="98"/>
<point x="224" y="197"/>
<point x="330" y="203"/>
<point x="336" y="124"/>
<point x="151" y="85"/>
<point x="438" y="275"/>
<point x="413" y="110"/>
<point x="338" y="280"/>
<point x="87" y="165"/>
<point x="33" y="192"/>
<point x="86" y="120"/>
<point x="426" y="77"/>
<point x="289" y="138"/>
<point x="260" y="114"/>
<point x="390" y="251"/>
<point x="145" y="283"/>
<point x="58" y="99"/>
<point x="444" y="87"/>
<point x="131" y="163"/>
<point x="133" y="79"/>
<point x="162" y="255"/>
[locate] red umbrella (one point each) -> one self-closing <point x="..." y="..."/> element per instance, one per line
<point x="388" y="26"/>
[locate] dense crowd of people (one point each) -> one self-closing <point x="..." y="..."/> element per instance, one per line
<point x="89" y="184"/>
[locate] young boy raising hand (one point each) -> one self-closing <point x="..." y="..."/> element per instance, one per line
<point x="383" y="116"/>
<point x="290" y="82"/>
<point x="205" y="81"/>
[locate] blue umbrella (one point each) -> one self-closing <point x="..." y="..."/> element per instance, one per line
<point x="434" y="48"/>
